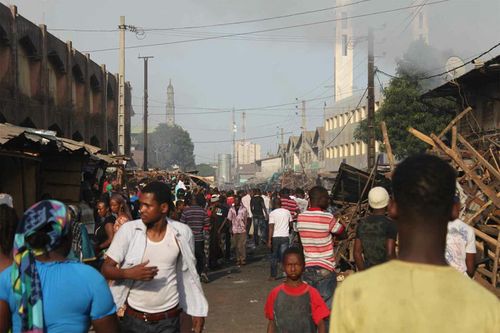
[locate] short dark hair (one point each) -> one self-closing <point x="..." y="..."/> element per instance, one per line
<point x="200" y="199"/>
<point x="285" y="191"/>
<point x="424" y="186"/>
<point x="161" y="192"/>
<point x="316" y="192"/>
<point x="294" y="250"/>
<point x="299" y="191"/>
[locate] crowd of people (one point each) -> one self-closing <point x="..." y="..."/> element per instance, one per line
<point x="145" y="260"/>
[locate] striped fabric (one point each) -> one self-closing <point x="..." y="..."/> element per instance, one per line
<point x="315" y="229"/>
<point x="197" y="219"/>
<point x="290" y="205"/>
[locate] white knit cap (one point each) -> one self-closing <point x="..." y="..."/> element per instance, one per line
<point x="378" y="198"/>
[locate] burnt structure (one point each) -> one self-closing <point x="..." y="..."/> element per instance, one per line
<point x="46" y="84"/>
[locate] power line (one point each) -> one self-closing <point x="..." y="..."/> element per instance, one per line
<point x="223" y="24"/>
<point x="254" y="138"/>
<point x="445" y="72"/>
<point x="347" y="122"/>
<point x="267" y="30"/>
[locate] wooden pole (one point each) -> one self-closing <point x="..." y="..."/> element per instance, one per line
<point x="387" y="144"/>
<point x="480" y="158"/>
<point x="454" y="137"/>
<point x="489" y="192"/>
<point x="454" y="121"/>
<point x="422" y="136"/>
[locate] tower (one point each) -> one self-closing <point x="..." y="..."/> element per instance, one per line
<point x="344" y="50"/>
<point x="170" y="105"/>
<point x="420" y="27"/>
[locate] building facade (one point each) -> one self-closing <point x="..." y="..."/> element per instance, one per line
<point x="46" y="84"/>
<point x="247" y="152"/>
<point x="170" y="105"/>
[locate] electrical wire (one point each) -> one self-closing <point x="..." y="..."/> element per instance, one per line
<point x="266" y="30"/>
<point x="254" y="138"/>
<point x="348" y="120"/>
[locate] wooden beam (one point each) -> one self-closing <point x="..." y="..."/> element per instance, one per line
<point x="478" y="156"/>
<point x="489" y="192"/>
<point x="454" y="121"/>
<point x="421" y="136"/>
<point x="387" y="144"/>
<point x="479" y="212"/>
<point x="454" y="138"/>
<point x="494" y="159"/>
<point x="487" y="238"/>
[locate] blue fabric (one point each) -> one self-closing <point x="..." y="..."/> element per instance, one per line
<point x="73" y="295"/>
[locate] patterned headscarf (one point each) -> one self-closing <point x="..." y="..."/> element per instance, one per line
<point x="25" y="279"/>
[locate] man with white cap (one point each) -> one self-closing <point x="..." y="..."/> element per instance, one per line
<point x="376" y="234"/>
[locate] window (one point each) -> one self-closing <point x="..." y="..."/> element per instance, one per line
<point x="358" y="148"/>
<point x="363" y="148"/>
<point x="346" y="150"/>
<point x="377" y="146"/>
<point x="335" y="152"/>
<point x="363" y="112"/>
<point x="335" y="122"/>
<point x="353" y="150"/>
<point x="344" y="20"/>
<point x="341" y="151"/>
<point x="344" y="45"/>
<point x="351" y="115"/>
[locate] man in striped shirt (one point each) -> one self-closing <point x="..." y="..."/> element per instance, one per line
<point x="316" y="229"/>
<point x="196" y="217"/>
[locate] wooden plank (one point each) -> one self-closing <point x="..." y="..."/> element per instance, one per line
<point x="478" y="156"/>
<point x="494" y="159"/>
<point x="487" y="238"/>
<point x="421" y="136"/>
<point x="454" y="121"/>
<point x="387" y="144"/>
<point x="479" y="212"/>
<point x="489" y="192"/>
<point x="454" y="138"/>
<point x="495" y="263"/>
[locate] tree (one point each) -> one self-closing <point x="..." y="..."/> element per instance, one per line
<point x="205" y="170"/>
<point x="403" y="107"/>
<point x="170" y="147"/>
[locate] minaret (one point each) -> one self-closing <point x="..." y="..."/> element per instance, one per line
<point x="420" y="27"/>
<point x="170" y="105"/>
<point x="344" y="53"/>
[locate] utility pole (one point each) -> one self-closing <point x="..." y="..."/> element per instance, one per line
<point x="304" y="121"/>
<point x="371" y="102"/>
<point x="145" y="163"/>
<point x="235" y="161"/>
<point x="121" y="94"/>
<point x="243" y="127"/>
<point x="282" y="136"/>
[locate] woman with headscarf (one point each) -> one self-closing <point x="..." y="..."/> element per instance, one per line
<point x="43" y="291"/>
<point x="120" y="210"/>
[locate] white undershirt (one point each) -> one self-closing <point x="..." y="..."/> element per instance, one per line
<point x="281" y="219"/>
<point x="159" y="294"/>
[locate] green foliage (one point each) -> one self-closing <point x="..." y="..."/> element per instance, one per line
<point x="403" y="107"/>
<point x="170" y="146"/>
<point x="205" y="170"/>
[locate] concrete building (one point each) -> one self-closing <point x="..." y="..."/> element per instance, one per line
<point x="291" y="156"/>
<point x="170" y="104"/>
<point x="268" y="166"/>
<point x="340" y="145"/>
<point x="46" y="84"/>
<point x="247" y="152"/>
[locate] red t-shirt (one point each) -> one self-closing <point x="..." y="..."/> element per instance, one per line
<point x="230" y="201"/>
<point x="319" y="309"/>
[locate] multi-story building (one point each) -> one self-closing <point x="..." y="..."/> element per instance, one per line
<point x="247" y="152"/>
<point x="340" y="145"/>
<point x="46" y="84"/>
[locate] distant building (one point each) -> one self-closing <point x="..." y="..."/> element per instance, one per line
<point x="247" y="152"/>
<point x="344" y="54"/>
<point x="268" y="166"/>
<point x="420" y="27"/>
<point x="170" y="104"/>
<point x="223" y="169"/>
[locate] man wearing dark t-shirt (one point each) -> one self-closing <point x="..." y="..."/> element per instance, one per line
<point x="376" y="234"/>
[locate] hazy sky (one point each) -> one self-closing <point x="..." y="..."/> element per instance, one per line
<point x="253" y="70"/>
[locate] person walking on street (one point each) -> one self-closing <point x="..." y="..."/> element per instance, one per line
<point x="376" y="234"/>
<point x="153" y="266"/>
<point x="196" y="217"/>
<point x="279" y="231"/>
<point x="419" y="292"/>
<point x="43" y="291"/>
<point x="316" y="229"/>
<point x="259" y="218"/>
<point x="238" y="216"/>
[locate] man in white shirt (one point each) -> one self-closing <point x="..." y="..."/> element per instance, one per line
<point x="245" y="201"/>
<point x="300" y="199"/>
<point x="152" y="263"/>
<point x="279" y="231"/>
<point x="461" y="245"/>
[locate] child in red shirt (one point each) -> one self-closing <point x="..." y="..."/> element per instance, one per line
<point x="294" y="306"/>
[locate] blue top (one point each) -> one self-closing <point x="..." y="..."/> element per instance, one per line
<point x="73" y="295"/>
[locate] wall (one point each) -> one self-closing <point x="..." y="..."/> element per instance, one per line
<point x="268" y="167"/>
<point x="45" y="83"/>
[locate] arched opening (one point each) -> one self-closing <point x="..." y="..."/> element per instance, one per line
<point x="29" y="64"/>
<point x="27" y="122"/>
<point x="2" y="118"/>
<point x="57" y="129"/>
<point x="78" y="87"/>
<point x="94" y="141"/>
<point x="95" y="93"/>
<point x="77" y="136"/>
